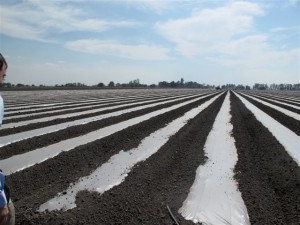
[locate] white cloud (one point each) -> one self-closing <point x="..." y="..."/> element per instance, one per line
<point x="253" y="52"/>
<point x="137" y="52"/>
<point x="35" y="20"/>
<point x="227" y="36"/>
<point x="206" y="29"/>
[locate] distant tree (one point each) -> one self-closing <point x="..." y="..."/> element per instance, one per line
<point x="135" y="83"/>
<point x="240" y="87"/>
<point x="284" y="87"/>
<point x="173" y="84"/>
<point x="274" y="87"/>
<point x="258" y="86"/>
<point x="100" y="85"/>
<point x="191" y="84"/>
<point x="296" y="87"/>
<point x="163" y="84"/>
<point x="70" y="84"/>
<point x="80" y="85"/>
<point x="7" y="85"/>
<point x="111" y="84"/>
<point x="181" y="82"/>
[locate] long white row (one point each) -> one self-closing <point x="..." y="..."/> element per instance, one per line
<point x="73" y="103"/>
<point x="213" y="198"/>
<point x="22" y="161"/>
<point x="69" y="115"/>
<point x="285" y="98"/>
<point x="33" y="98"/>
<point x="276" y="101"/>
<point x="280" y="109"/>
<point x="289" y="140"/>
<point x="5" y="140"/>
<point x="114" y="171"/>
<point x="53" y="106"/>
<point x="81" y="106"/>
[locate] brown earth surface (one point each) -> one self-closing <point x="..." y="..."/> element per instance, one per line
<point x="268" y="178"/>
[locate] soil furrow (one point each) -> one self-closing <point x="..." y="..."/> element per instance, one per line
<point x="269" y="179"/>
<point x="122" y="140"/>
<point x="69" y="107"/>
<point x="75" y="131"/>
<point x="79" y="110"/>
<point x="276" y="103"/>
<point x="292" y="95"/>
<point x="291" y="123"/>
<point x="162" y="180"/>
<point x="66" y="107"/>
<point x="288" y="101"/>
<point x="32" y="126"/>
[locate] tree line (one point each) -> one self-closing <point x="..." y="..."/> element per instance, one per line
<point x="258" y="86"/>
<point x="164" y="84"/>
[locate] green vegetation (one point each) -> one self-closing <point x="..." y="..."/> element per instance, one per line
<point x="162" y="84"/>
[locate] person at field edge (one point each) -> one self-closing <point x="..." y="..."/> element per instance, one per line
<point x="7" y="210"/>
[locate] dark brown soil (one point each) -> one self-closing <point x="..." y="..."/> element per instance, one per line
<point x="287" y="121"/>
<point x="278" y="98"/>
<point x="32" y="126"/>
<point x="269" y="179"/>
<point x="279" y="104"/>
<point x="75" y="131"/>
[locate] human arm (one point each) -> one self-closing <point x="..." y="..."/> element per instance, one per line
<point x="3" y="215"/>
<point x="3" y="202"/>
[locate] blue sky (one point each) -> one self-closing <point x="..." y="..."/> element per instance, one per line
<point x="93" y="41"/>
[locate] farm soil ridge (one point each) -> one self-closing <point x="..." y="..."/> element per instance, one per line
<point x="68" y="119"/>
<point x="174" y="171"/>
<point x="278" y="104"/>
<point x="75" y="131"/>
<point x="287" y="121"/>
<point x="268" y="177"/>
<point x="69" y="109"/>
<point x="278" y="98"/>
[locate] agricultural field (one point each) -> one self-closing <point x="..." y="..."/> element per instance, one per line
<point x="152" y="156"/>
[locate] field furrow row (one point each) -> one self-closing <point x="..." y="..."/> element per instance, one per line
<point x="152" y="157"/>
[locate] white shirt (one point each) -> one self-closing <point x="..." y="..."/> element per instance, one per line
<point x="1" y="110"/>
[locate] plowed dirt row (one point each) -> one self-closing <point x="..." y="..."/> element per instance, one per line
<point x="278" y="104"/>
<point x="291" y="123"/>
<point x="292" y="96"/>
<point x="267" y="176"/>
<point x="71" y="108"/>
<point x="62" y="120"/>
<point x="75" y="131"/>
<point x="80" y="107"/>
<point x="56" y="172"/>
